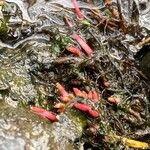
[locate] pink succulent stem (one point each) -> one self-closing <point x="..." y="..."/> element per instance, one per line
<point x="44" y="113"/>
<point x="86" y="108"/>
<point x="94" y="113"/>
<point x="77" y="92"/>
<point x="83" y="44"/>
<point x="79" y="14"/>
<point x="62" y="90"/>
<point x="82" y="107"/>
<point x="74" y="50"/>
<point x="95" y="96"/>
<point x="90" y="94"/>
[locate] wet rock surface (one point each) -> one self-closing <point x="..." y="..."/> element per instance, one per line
<point x="140" y="14"/>
<point x="21" y="129"/>
<point x="20" y="70"/>
<point x="15" y="75"/>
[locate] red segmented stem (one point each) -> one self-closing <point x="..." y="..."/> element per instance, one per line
<point x="74" y="50"/>
<point x="62" y="90"/>
<point x="95" y="96"/>
<point x="82" y="107"/>
<point x="44" y="113"/>
<point x="37" y="109"/>
<point x="83" y="44"/>
<point x="90" y="95"/>
<point x="94" y="113"/>
<point x="77" y="92"/>
<point x="50" y="116"/>
<point x="79" y="14"/>
<point x="86" y="108"/>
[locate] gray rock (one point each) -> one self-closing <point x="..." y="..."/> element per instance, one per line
<point x="21" y="129"/>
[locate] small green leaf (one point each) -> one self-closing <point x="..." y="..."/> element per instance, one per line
<point x="85" y="22"/>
